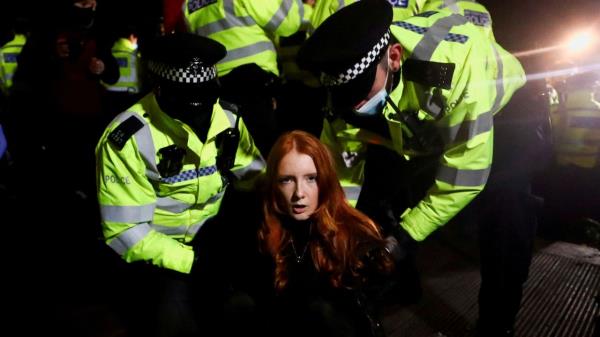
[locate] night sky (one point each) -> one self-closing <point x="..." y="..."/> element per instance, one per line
<point x="529" y="24"/>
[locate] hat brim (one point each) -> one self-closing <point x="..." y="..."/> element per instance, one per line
<point x="348" y="95"/>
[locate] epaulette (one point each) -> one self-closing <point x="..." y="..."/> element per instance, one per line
<point x="229" y="106"/>
<point x="121" y="134"/>
<point x="428" y="73"/>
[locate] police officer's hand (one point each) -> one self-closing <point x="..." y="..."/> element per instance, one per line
<point x="400" y="244"/>
<point x="96" y="66"/>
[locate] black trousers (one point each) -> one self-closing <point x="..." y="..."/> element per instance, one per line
<point x="506" y="219"/>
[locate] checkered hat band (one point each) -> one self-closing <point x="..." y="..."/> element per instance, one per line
<point x="183" y="75"/>
<point x="359" y="67"/>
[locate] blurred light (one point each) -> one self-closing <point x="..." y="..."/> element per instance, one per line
<point x="579" y="42"/>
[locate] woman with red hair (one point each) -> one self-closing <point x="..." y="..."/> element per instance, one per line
<point x="327" y="255"/>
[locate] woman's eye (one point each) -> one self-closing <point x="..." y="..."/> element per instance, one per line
<point x="285" y="180"/>
<point x="312" y="178"/>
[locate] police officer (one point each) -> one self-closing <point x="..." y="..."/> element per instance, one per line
<point x="505" y="212"/>
<point x="425" y="87"/>
<point x="250" y="70"/>
<point x="163" y="168"/>
<point x="126" y="90"/>
<point x="344" y="138"/>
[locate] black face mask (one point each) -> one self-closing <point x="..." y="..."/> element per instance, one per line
<point x="82" y="17"/>
<point x="191" y="104"/>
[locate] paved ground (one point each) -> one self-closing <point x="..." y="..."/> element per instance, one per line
<point x="561" y="297"/>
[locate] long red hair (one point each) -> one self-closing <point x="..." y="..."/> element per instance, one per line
<point x="343" y="234"/>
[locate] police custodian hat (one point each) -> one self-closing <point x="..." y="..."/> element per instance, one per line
<point x="347" y="47"/>
<point x="184" y="58"/>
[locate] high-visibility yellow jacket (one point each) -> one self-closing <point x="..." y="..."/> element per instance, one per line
<point x="575" y="118"/>
<point x="9" y="54"/>
<point x="484" y="79"/>
<point x="126" y="54"/>
<point x="471" y="9"/>
<point x="245" y="27"/>
<point x="149" y="217"/>
<point x="461" y="115"/>
<point x="287" y="52"/>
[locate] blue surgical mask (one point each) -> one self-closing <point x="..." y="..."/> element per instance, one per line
<point x="376" y="103"/>
<point x="373" y="105"/>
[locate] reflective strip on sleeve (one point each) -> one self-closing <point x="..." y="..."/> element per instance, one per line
<point x="457" y="177"/>
<point x="174" y="206"/>
<point x="281" y="14"/>
<point x="181" y="230"/>
<point x="468" y="129"/>
<point x="169" y="230"/>
<point x="129" y="238"/>
<point x="145" y="147"/>
<point x="127" y="214"/>
<point x="256" y="165"/>
<point x="171" y="205"/>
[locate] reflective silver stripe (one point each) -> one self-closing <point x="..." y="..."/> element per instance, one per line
<point x="468" y="129"/>
<point x="172" y="205"/>
<point x="457" y="177"/>
<point x="229" y="21"/>
<point x="256" y="165"/>
<point x="175" y="206"/>
<point x="340" y="4"/>
<point x="231" y="117"/>
<point x="499" y="81"/>
<point x="224" y="24"/>
<point x="229" y="7"/>
<point x="352" y="192"/>
<point x="250" y="50"/>
<point x="452" y="5"/>
<point x="301" y="12"/>
<point x="435" y="34"/>
<point x="146" y="149"/>
<point x="281" y="14"/>
<point x="129" y="238"/>
<point x="128" y="214"/>
<point x="121" y="89"/>
<point x="169" y="230"/>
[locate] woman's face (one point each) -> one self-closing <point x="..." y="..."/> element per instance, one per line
<point x="297" y="184"/>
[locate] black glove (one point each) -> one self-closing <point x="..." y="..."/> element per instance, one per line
<point x="399" y="244"/>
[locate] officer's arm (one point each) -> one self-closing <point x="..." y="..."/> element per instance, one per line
<point x="249" y="165"/>
<point x="462" y="172"/>
<point x="279" y="17"/>
<point x="127" y="202"/>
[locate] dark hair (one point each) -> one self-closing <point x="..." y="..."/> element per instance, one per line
<point x="344" y="235"/>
